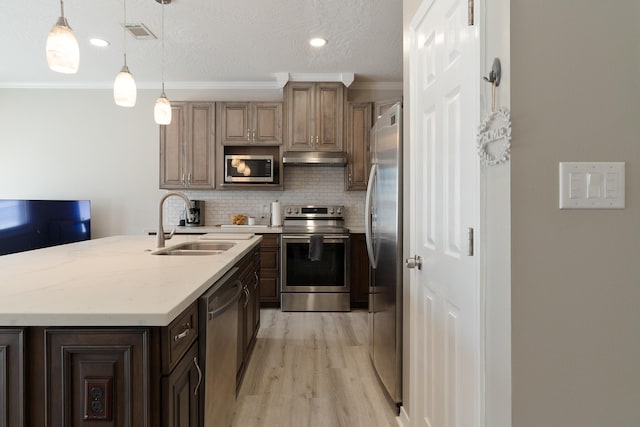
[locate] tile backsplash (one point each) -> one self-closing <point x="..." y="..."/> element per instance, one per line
<point x="308" y="185"/>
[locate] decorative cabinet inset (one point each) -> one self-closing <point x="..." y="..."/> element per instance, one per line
<point x="187" y="147"/>
<point x="97" y="375"/>
<point x="358" y="126"/>
<point x="12" y="378"/>
<point x="314" y="116"/>
<point x="250" y="123"/>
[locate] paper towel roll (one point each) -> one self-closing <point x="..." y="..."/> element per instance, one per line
<point x="276" y="214"/>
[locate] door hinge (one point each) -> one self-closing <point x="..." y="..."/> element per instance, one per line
<point x="470" y="13"/>
<point x="470" y="235"/>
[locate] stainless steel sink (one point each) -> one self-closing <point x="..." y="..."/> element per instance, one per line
<point x="196" y="248"/>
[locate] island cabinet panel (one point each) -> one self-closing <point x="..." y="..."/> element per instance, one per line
<point x="12" y="378"/>
<point x="248" y="313"/>
<point x="178" y="337"/>
<point x="270" y="270"/>
<point x="97" y="376"/>
<point x="181" y="391"/>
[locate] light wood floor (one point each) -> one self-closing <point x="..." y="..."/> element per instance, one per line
<point x="312" y="369"/>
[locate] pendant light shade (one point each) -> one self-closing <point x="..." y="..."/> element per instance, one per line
<point x="124" y="88"/>
<point x="162" y="110"/>
<point x="63" y="53"/>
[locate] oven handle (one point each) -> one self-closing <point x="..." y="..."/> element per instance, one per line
<point x="307" y="237"/>
<point x="367" y="215"/>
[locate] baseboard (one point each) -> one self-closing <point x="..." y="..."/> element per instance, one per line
<point x="403" y="418"/>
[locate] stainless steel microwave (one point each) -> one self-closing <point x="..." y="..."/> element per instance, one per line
<point x="248" y="168"/>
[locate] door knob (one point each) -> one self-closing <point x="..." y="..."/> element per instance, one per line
<point x="414" y="262"/>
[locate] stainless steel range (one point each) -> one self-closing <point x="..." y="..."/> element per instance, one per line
<point x="315" y="250"/>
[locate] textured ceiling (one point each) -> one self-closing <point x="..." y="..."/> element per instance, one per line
<point x="208" y="42"/>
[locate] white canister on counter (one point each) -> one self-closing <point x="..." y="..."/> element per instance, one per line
<point x="276" y="214"/>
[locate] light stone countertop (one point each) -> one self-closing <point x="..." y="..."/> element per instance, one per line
<point x="218" y="229"/>
<point x="113" y="281"/>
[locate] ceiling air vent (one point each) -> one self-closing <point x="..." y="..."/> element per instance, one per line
<point x="140" y="31"/>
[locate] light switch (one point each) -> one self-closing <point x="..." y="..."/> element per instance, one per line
<point x="596" y="185"/>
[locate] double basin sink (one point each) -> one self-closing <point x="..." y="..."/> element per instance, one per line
<point x="196" y="248"/>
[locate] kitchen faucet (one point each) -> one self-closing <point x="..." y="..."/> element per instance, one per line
<point x="160" y="237"/>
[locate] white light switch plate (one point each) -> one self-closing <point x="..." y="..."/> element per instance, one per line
<point x="595" y="185"/>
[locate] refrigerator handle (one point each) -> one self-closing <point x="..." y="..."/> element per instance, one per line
<point x="367" y="216"/>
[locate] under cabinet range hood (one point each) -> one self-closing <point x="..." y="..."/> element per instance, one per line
<point x="314" y="158"/>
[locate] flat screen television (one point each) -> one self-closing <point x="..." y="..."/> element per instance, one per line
<point x="35" y="224"/>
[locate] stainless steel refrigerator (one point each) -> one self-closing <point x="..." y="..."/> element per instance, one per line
<point x="383" y="224"/>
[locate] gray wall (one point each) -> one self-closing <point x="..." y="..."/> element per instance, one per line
<point x="575" y="96"/>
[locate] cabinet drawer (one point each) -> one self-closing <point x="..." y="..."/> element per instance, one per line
<point x="270" y="241"/>
<point x="178" y="337"/>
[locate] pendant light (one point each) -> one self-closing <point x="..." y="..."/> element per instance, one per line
<point x="63" y="53"/>
<point x="162" y="109"/>
<point x="124" y="88"/>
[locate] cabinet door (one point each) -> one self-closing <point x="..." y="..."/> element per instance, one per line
<point x="300" y="109"/>
<point x="235" y="126"/>
<point x="358" y="129"/>
<point x="97" y="376"/>
<point x="269" y="270"/>
<point x="267" y="123"/>
<point x="12" y="378"/>
<point x="172" y="149"/>
<point x="359" y="271"/>
<point x="180" y="392"/>
<point x="200" y="146"/>
<point x="328" y="116"/>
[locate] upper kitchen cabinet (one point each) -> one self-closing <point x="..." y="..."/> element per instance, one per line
<point x="314" y="116"/>
<point x="187" y="147"/>
<point x="381" y="106"/>
<point x="358" y="126"/>
<point x="250" y="123"/>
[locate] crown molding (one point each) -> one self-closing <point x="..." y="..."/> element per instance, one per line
<point x="376" y="86"/>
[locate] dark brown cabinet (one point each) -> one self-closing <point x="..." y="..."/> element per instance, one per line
<point x="248" y="310"/>
<point x="12" y="378"/>
<point x="270" y="270"/>
<point x="180" y="391"/>
<point x="359" y="271"/>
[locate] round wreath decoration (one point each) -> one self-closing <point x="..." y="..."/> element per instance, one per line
<point x="486" y="135"/>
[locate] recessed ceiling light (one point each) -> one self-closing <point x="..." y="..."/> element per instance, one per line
<point x="317" y="42"/>
<point x="99" y="42"/>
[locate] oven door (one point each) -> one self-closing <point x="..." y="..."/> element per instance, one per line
<point x="328" y="274"/>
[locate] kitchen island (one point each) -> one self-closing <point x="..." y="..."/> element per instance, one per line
<point x="104" y="331"/>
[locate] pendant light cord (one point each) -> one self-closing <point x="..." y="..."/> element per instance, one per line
<point x="124" y="32"/>
<point x="62" y="8"/>
<point x="163" y="3"/>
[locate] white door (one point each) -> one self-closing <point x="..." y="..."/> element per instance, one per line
<point x="445" y="358"/>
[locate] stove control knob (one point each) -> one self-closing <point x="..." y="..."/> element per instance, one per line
<point x="339" y="211"/>
<point x="295" y="211"/>
<point x="289" y="211"/>
<point x="331" y="211"/>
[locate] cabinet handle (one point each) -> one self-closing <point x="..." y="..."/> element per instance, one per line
<point x="189" y="179"/>
<point x="349" y="179"/>
<point x="257" y="279"/>
<point x="195" y="362"/>
<point x="248" y="134"/>
<point x="183" y="181"/>
<point x="246" y="292"/>
<point x="254" y="135"/>
<point x="182" y="334"/>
